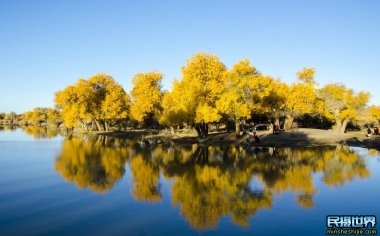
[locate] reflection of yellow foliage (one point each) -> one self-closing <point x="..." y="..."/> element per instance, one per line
<point x="201" y="206"/>
<point x="40" y="132"/>
<point x="373" y="152"/>
<point x="295" y="179"/>
<point x="343" y="165"/>
<point x="294" y="173"/>
<point x="305" y="201"/>
<point x="211" y="193"/>
<point x="145" y="178"/>
<point x="91" y="165"/>
<point x="210" y="182"/>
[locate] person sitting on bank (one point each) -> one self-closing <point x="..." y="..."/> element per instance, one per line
<point x="369" y="132"/>
<point x="376" y="131"/>
<point x="257" y="139"/>
<point x="276" y="128"/>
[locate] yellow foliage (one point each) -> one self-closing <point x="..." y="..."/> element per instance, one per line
<point x="39" y="115"/>
<point x="193" y="99"/>
<point x="115" y="104"/>
<point x="302" y="99"/>
<point x="90" y="164"/>
<point x="273" y="99"/>
<point x="40" y="132"/>
<point x="146" y="95"/>
<point x="306" y="75"/>
<point x="145" y="178"/>
<point x="53" y="115"/>
<point x="206" y="113"/>
<point x="236" y="101"/>
<point x="343" y="104"/>
<point x="210" y="182"/>
<point x="375" y="113"/>
<point x="98" y="98"/>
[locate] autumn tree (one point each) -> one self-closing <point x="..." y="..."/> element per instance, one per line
<point x="374" y="112"/>
<point x="146" y="96"/>
<point x="236" y="100"/>
<point x="194" y="97"/>
<point x="342" y="105"/>
<point x="302" y="98"/>
<point x="53" y="116"/>
<point x="175" y="106"/>
<point x="306" y="75"/>
<point x="35" y="117"/>
<point x="67" y="102"/>
<point x="99" y="99"/>
<point x="10" y="118"/>
<point x="115" y="106"/>
<point x="269" y="96"/>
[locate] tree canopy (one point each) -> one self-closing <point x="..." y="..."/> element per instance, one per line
<point x="207" y="93"/>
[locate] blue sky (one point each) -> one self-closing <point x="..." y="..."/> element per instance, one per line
<point x="47" y="45"/>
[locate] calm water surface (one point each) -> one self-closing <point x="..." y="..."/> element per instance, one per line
<point x="50" y="185"/>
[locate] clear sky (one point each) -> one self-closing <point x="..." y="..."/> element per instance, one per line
<point x="47" y="45"/>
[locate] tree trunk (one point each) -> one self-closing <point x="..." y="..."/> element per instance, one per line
<point x="344" y="125"/>
<point x="202" y="129"/>
<point x="338" y="125"/>
<point x="118" y="125"/>
<point x="237" y="128"/>
<point x="98" y="125"/>
<point x="172" y="130"/>
<point x="288" y="122"/>
<point x="84" y="124"/>
<point x="227" y="124"/>
<point x="106" y="126"/>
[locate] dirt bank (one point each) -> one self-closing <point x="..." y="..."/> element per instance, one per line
<point x="291" y="138"/>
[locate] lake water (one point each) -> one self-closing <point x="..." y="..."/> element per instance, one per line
<point x="52" y="185"/>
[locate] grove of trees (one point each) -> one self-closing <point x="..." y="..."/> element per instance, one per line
<point x="208" y="93"/>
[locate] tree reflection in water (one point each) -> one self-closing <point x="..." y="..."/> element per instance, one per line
<point x="40" y="132"/>
<point x="209" y="182"/>
<point x="91" y="164"/>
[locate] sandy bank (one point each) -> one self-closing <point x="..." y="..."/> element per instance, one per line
<point x="292" y="138"/>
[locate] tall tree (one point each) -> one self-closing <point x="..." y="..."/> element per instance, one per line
<point x="146" y="96"/>
<point x="236" y="100"/>
<point x="342" y="105"/>
<point x="306" y="75"/>
<point x="115" y="106"/>
<point x="375" y="113"/>
<point x="302" y="98"/>
<point x="193" y="99"/>
<point x="89" y="100"/>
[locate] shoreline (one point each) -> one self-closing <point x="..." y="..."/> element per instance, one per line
<point x="301" y="137"/>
